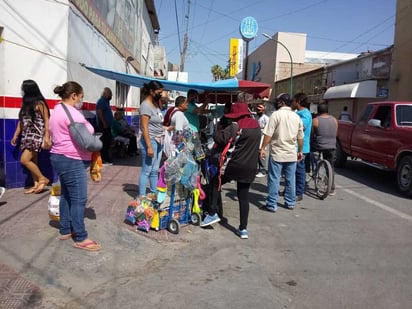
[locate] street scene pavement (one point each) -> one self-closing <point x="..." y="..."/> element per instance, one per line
<point x="352" y="250"/>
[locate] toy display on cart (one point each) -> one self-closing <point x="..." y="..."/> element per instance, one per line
<point x="179" y="193"/>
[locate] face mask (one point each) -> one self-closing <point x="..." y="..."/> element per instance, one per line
<point x="79" y="104"/>
<point x="157" y="97"/>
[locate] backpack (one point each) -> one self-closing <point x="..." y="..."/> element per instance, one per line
<point x="221" y="155"/>
<point x="168" y="116"/>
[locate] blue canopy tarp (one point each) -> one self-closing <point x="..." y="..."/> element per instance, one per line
<point x="232" y="84"/>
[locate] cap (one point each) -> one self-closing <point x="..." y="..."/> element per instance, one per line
<point x="284" y="97"/>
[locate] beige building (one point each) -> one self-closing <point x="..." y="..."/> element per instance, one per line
<point x="401" y="71"/>
<point x="284" y="55"/>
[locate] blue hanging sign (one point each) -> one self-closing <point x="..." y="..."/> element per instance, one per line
<point x="248" y="28"/>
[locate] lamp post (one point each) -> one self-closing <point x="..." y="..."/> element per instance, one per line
<point x="291" y="60"/>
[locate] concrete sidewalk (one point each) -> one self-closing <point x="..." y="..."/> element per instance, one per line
<point x="200" y="268"/>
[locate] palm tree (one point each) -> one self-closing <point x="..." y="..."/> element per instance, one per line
<point x="217" y="72"/>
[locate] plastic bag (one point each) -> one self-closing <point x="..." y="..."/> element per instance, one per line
<point x="53" y="208"/>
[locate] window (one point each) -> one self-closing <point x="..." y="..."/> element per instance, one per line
<point x="121" y="94"/>
<point x="404" y="115"/>
<point x="384" y="115"/>
<point x="365" y="116"/>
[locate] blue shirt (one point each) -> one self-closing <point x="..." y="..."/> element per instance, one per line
<point x="104" y="105"/>
<point x="306" y="117"/>
<point x="192" y="117"/>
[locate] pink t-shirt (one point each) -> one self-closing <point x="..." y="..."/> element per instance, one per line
<point x="63" y="143"/>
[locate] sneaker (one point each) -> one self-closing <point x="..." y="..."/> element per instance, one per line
<point x="208" y="220"/>
<point x="260" y="175"/>
<point x="2" y="191"/>
<point x="332" y="193"/>
<point x="299" y="198"/>
<point x="270" y="208"/>
<point x="242" y="233"/>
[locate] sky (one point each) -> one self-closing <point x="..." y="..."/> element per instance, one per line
<point x="343" y="26"/>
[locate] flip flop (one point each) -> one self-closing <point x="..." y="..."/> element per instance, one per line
<point x="66" y="236"/>
<point x="89" y="246"/>
<point x="42" y="184"/>
<point x="31" y="190"/>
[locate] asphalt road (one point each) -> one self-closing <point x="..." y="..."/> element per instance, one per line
<point x="352" y="250"/>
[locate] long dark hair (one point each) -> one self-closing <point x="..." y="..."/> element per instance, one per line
<point x="152" y="85"/>
<point x="31" y="97"/>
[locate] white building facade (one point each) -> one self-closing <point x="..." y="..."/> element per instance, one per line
<point x="48" y="41"/>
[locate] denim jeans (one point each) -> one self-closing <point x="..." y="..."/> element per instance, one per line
<point x="150" y="166"/>
<point x="73" y="198"/>
<point x="301" y="176"/>
<point x="275" y="171"/>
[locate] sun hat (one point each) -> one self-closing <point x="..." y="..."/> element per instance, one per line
<point x="238" y="110"/>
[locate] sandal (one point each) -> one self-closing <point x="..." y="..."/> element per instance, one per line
<point x="42" y="184"/>
<point x="66" y="236"/>
<point x="88" y="245"/>
<point x="31" y="190"/>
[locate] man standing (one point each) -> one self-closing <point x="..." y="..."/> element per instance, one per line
<point x="300" y="103"/>
<point x="104" y="119"/>
<point x="262" y="119"/>
<point x="284" y="129"/>
<point x="325" y="129"/>
<point x="193" y="111"/>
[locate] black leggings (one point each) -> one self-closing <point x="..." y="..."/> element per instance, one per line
<point x="242" y="191"/>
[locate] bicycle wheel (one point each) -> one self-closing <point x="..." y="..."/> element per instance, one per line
<point x="323" y="179"/>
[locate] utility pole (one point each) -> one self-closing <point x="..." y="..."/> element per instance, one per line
<point x="185" y="39"/>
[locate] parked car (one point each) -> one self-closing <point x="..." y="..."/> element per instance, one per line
<point x="381" y="137"/>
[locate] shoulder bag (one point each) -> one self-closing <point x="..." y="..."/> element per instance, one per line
<point x="83" y="138"/>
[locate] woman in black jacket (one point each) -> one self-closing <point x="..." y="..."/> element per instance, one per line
<point x="237" y="145"/>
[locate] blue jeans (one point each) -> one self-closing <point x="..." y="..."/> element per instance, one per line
<point x="150" y="166"/>
<point x="274" y="173"/>
<point x="73" y="182"/>
<point x="301" y="176"/>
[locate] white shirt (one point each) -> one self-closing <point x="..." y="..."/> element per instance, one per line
<point x="179" y="121"/>
<point x="285" y="127"/>
<point x="263" y="120"/>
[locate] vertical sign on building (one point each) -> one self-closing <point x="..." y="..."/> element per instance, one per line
<point x="234" y="56"/>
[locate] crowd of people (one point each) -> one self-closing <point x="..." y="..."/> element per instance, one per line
<point x="274" y="146"/>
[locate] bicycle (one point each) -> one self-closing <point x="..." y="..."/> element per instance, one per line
<point x="322" y="174"/>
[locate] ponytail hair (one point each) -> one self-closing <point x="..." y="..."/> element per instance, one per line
<point x="67" y="89"/>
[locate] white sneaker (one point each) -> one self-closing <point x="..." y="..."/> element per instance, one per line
<point x="260" y="175"/>
<point x="2" y="191"/>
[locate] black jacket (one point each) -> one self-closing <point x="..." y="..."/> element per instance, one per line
<point x="241" y="164"/>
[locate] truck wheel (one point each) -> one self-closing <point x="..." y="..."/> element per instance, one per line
<point x="404" y="175"/>
<point x="341" y="156"/>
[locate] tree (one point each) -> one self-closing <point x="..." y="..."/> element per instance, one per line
<point x="217" y="72"/>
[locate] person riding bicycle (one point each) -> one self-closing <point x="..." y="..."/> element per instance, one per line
<point x="324" y="131"/>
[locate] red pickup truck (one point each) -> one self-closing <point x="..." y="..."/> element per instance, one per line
<point x="381" y="137"/>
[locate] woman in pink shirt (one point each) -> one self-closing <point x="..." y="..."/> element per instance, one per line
<point x="70" y="162"/>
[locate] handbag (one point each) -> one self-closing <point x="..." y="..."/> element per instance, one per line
<point x="83" y="138"/>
